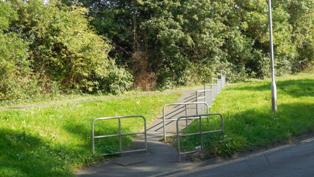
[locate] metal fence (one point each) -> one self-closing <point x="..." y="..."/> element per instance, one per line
<point x="209" y="92"/>
<point x="202" y="101"/>
<point x="119" y="134"/>
<point x="178" y="112"/>
<point x="200" y="131"/>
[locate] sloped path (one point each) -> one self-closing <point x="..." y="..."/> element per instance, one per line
<point x="161" y="158"/>
<point x="155" y="131"/>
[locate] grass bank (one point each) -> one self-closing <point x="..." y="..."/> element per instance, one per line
<point x="249" y="122"/>
<point x="54" y="140"/>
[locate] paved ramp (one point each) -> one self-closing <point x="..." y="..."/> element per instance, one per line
<point x="160" y="158"/>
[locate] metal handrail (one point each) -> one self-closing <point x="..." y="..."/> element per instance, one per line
<point x="203" y="90"/>
<point x="214" y="89"/>
<point x="200" y="132"/>
<point x="185" y="112"/>
<point x="119" y="134"/>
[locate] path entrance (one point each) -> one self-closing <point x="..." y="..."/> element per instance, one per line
<point x="160" y="157"/>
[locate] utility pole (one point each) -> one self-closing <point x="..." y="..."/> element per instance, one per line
<point x="272" y="57"/>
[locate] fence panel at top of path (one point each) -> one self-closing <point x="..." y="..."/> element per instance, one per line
<point x="193" y="102"/>
<point x="209" y="91"/>
<point x="173" y="111"/>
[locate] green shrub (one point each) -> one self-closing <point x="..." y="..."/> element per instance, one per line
<point x="51" y="47"/>
<point x="229" y="35"/>
<point x="117" y="81"/>
<point x="7" y="15"/>
<point x="16" y="80"/>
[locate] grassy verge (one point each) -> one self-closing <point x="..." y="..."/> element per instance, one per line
<point x="55" y="140"/>
<point x="249" y="122"/>
<point x="61" y="99"/>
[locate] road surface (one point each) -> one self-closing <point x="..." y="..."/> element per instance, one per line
<point x="295" y="160"/>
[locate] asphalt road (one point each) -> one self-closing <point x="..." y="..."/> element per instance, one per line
<point x="295" y="160"/>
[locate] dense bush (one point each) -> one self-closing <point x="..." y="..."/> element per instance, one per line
<point x="55" y="46"/>
<point x="229" y="35"/>
<point x="52" y="45"/>
<point x="15" y="78"/>
<point x="15" y="72"/>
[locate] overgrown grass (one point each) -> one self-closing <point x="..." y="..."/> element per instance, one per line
<point x="249" y="121"/>
<point x="55" y="140"/>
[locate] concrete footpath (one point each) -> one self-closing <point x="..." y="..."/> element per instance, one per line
<point x="160" y="158"/>
<point x="292" y="160"/>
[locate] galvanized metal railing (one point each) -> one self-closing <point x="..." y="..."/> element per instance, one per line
<point x="204" y="95"/>
<point x="165" y="120"/>
<point x="120" y="134"/>
<point x="200" y="132"/>
<point x="208" y="94"/>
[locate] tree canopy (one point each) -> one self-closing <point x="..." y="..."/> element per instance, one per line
<point x="101" y="45"/>
<point x="54" y="47"/>
<point x="180" y="38"/>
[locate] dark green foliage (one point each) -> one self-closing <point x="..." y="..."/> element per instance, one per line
<point x="163" y="43"/>
<point x="56" y="44"/>
<point x="181" y="38"/>
<point x="15" y="76"/>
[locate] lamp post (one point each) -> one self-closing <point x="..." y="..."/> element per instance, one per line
<point x="272" y="57"/>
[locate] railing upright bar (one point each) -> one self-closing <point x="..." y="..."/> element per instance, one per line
<point x="211" y="93"/>
<point x="200" y="129"/>
<point x="222" y="123"/>
<point x="145" y="133"/>
<point x="196" y="104"/>
<point x="186" y="114"/>
<point x="178" y="141"/>
<point x="93" y="136"/>
<point x="164" y="124"/>
<point x="120" y="137"/>
<point x="196" y="109"/>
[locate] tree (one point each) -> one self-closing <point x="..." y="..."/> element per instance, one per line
<point x="58" y="47"/>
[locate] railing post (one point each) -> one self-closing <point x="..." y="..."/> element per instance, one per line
<point x="205" y="92"/>
<point x="163" y="123"/>
<point x="186" y="114"/>
<point x="196" y="106"/>
<point x="201" y="134"/>
<point x="93" y="136"/>
<point x="222" y="123"/>
<point x="145" y="133"/>
<point x="178" y="140"/>
<point x="120" y="137"/>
